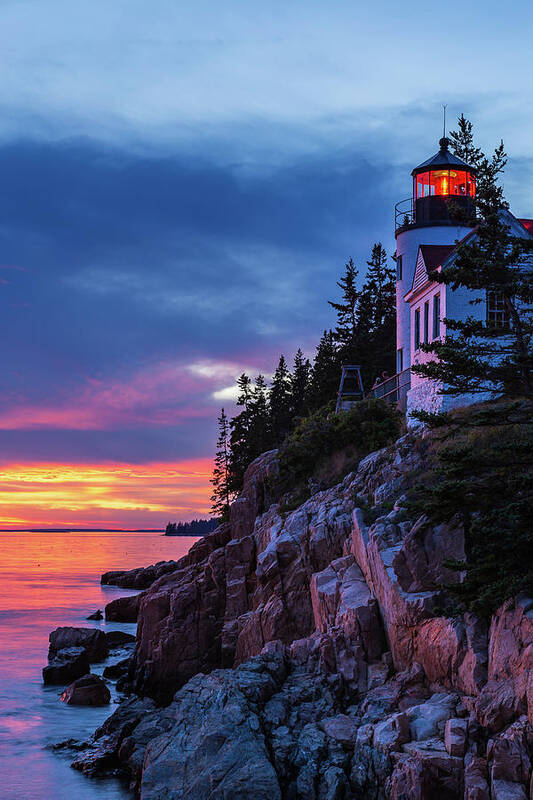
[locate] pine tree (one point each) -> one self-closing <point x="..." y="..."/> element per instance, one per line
<point x="301" y="375"/>
<point x="479" y="356"/>
<point x="279" y="400"/>
<point x="483" y="479"/>
<point x="487" y="170"/>
<point x="222" y="494"/>
<point x="325" y="373"/>
<point x="240" y="434"/>
<point x="377" y="317"/>
<point x="346" y="330"/>
<point x="259" y="432"/>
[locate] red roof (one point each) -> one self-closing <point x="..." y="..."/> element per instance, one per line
<point x="528" y="224"/>
<point x="435" y="254"/>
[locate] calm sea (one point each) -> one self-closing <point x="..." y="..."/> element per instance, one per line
<point x="47" y="580"/>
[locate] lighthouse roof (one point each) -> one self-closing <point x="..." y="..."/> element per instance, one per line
<point x="442" y="160"/>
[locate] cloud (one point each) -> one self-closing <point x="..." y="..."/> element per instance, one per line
<point x="35" y="495"/>
<point x="186" y="221"/>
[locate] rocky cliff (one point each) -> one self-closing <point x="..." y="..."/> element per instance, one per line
<point x="302" y="654"/>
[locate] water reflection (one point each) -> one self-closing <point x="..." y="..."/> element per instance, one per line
<point x="50" y="580"/>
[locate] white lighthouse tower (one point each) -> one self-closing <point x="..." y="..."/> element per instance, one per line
<point x="427" y="227"/>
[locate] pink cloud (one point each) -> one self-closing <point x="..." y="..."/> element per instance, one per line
<point x="162" y="394"/>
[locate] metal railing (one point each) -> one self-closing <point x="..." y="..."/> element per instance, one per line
<point x="404" y="213"/>
<point x="394" y="390"/>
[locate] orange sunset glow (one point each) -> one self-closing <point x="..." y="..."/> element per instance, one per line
<point x="103" y="495"/>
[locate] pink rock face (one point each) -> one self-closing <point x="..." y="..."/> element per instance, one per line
<point x="342" y="600"/>
<point x="360" y="689"/>
<point x="256" y="496"/>
<point x="508" y="753"/>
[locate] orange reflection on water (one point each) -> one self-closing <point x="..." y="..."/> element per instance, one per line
<point x="103" y="495"/>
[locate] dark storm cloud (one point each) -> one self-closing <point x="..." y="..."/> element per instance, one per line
<point x="109" y="260"/>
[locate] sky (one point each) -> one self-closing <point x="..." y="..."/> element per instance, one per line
<point x="181" y="186"/>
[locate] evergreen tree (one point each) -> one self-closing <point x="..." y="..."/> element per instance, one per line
<point x="346" y="330"/>
<point x="325" y="373"/>
<point x="279" y="399"/>
<point x="301" y="375"/>
<point x="483" y="479"/>
<point x="222" y="494"/>
<point x="495" y="354"/>
<point x="259" y="431"/>
<point x="487" y="169"/>
<point x="377" y="317"/>
<point x="240" y="434"/>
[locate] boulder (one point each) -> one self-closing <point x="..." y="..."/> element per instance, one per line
<point x="118" y="670"/>
<point x="216" y="747"/>
<point x="496" y="705"/>
<point x="90" y="690"/>
<point x="392" y="733"/>
<point x="66" y="665"/>
<point x="123" y="609"/>
<point x="97" y="615"/>
<point x="508" y="753"/>
<point x="455" y="732"/>
<point x="116" y="639"/>
<point x="428" y="720"/>
<point x="92" y="639"/>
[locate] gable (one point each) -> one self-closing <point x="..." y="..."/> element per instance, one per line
<point x="430" y="257"/>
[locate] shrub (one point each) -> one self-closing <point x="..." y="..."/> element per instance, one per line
<point x="327" y="444"/>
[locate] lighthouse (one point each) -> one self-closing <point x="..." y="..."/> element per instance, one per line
<point x="437" y="215"/>
<point x="429" y="226"/>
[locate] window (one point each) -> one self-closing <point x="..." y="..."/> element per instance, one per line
<point x="497" y="314"/>
<point x="399" y="268"/>
<point x="436" y="316"/>
<point x="417" y="329"/>
<point x="399" y="360"/>
<point x="426" y="322"/>
<point x="444" y="182"/>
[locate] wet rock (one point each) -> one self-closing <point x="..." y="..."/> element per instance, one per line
<point x="90" y="690"/>
<point x="118" y="670"/>
<point x="116" y="639"/>
<point x="140" y="578"/>
<point x="101" y="756"/>
<point x="91" y="639"/>
<point x="123" y="609"/>
<point x="66" y="665"/>
<point x="97" y="615"/>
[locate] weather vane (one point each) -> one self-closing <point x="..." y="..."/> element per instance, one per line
<point x="444" y="120"/>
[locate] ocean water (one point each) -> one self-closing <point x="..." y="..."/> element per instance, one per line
<point x="47" y="580"/>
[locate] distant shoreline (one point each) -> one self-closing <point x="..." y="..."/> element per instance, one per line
<point x="82" y="530"/>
